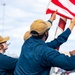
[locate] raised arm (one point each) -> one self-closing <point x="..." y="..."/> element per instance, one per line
<point x="62" y="37"/>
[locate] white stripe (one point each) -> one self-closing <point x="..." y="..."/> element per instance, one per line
<point x="68" y="5"/>
<point x="58" y="32"/>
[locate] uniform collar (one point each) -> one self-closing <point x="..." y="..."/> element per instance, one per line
<point x="38" y="40"/>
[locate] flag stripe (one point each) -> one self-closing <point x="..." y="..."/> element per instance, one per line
<point x="73" y="1"/>
<point x="62" y="24"/>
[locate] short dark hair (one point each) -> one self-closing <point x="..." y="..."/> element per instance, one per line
<point x="38" y="36"/>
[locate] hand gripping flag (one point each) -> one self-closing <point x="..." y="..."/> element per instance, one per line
<point x="66" y="8"/>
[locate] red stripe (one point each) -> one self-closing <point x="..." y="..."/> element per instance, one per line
<point x="62" y="24"/>
<point x="51" y="11"/>
<point x="56" y="2"/>
<point x="72" y="1"/>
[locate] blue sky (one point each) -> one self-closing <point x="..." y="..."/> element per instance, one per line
<point x="18" y="16"/>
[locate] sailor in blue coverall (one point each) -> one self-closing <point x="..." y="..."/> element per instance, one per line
<point x="37" y="57"/>
<point x="7" y="63"/>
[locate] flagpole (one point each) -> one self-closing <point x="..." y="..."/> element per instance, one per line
<point x="60" y="28"/>
<point x="48" y="4"/>
<point x="3" y="18"/>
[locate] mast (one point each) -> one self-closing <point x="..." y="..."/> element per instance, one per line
<point x="3" y="18"/>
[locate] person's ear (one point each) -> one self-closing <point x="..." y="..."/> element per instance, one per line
<point x="46" y="33"/>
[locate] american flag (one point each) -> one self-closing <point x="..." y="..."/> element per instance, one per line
<point x="66" y="8"/>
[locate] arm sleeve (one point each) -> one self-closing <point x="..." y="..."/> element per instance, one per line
<point x="8" y="63"/>
<point x="55" y="59"/>
<point x="60" y="39"/>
